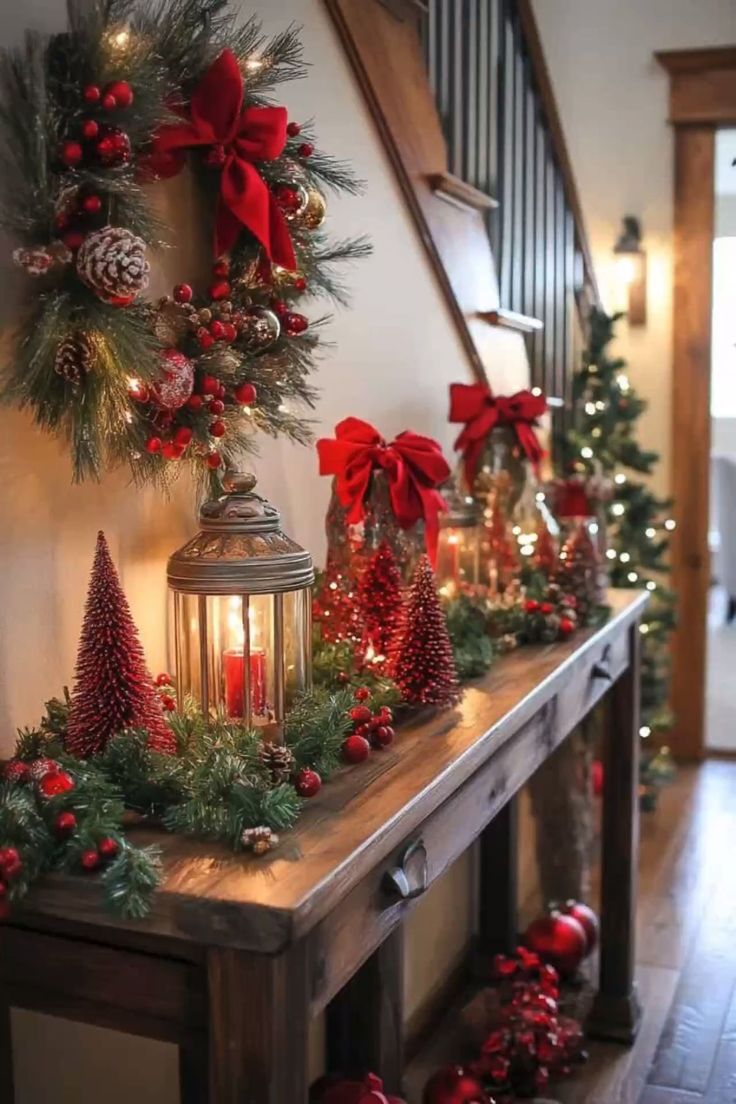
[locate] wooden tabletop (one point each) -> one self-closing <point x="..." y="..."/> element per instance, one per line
<point x="210" y="895"/>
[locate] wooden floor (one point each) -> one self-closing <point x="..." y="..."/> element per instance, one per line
<point x="686" y="1051"/>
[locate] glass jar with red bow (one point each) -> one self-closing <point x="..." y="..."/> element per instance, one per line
<point x="500" y="457"/>
<point x="384" y="492"/>
<point x="578" y="502"/>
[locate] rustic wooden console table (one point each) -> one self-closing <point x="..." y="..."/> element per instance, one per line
<point x="238" y="953"/>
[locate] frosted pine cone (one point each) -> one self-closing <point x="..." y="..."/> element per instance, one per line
<point x="74" y="357"/>
<point x="278" y="761"/>
<point x="260" y="840"/>
<point x="112" y="262"/>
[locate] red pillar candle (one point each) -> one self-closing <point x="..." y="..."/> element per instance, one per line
<point x="232" y="667"/>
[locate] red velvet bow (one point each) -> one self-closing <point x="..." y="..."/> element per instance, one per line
<point x="481" y="411"/>
<point x="239" y="137"/>
<point x="414" y="465"/>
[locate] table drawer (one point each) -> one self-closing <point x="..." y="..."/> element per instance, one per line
<point x="591" y="679"/>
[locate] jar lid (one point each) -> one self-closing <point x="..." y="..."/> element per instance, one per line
<point x="240" y="548"/>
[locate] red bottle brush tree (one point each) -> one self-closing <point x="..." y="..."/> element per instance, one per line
<point x="422" y="665"/>
<point x="379" y="604"/>
<point x="113" y="688"/>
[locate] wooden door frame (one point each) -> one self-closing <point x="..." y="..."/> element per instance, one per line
<point x="702" y="99"/>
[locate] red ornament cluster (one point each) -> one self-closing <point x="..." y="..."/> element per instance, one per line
<point x="337" y="1090"/>
<point x="94" y="857"/>
<point x="372" y="728"/>
<point x="564" y="936"/>
<point x="552" y="615"/>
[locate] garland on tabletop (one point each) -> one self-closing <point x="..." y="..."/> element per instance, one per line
<point x="90" y="118"/>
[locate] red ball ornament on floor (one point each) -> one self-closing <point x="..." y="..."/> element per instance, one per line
<point x="355" y="749"/>
<point x="308" y="783"/>
<point x="557" y="939"/>
<point x="587" y="919"/>
<point x="218" y="428"/>
<point x="340" y="1091"/>
<point x="453" y="1085"/>
<point x="176" y="384"/>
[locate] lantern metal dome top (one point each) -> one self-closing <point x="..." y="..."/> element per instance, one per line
<point x="462" y="509"/>
<point x="240" y="547"/>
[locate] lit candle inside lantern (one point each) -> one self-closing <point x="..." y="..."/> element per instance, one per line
<point x="233" y="667"/>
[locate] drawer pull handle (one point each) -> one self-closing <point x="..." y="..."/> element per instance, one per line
<point x="600" y="671"/>
<point x="410" y="878"/>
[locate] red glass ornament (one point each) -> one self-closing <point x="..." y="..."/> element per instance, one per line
<point x="56" y="783"/>
<point x="109" y="102"/>
<point x="90" y="860"/>
<point x="385" y="715"/>
<point x="120" y="300"/>
<point x="217" y="330"/>
<point x="205" y="339"/>
<point x="531" y="605"/>
<point x="92" y="204"/>
<point x="454" y="1085"/>
<point x="195" y="402"/>
<point x="295" y="323"/>
<point x="214" y="460"/>
<point x="355" y="749"/>
<point x="362" y="694"/>
<point x="288" y="198"/>
<point x="246" y="394"/>
<point x="210" y="385"/>
<point x="587" y="919"/>
<point x="108" y="847"/>
<point x="308" y="783"/>
<point x="91" y="93"/>
<point x="382" y="736"/>
<point x="217" y="406"/>
<point x="218" y="428"/>
<point x="183" y="293"/>
<point x="113" y="148"/>
<point x="153" y="444"/>
<point x="558" y="939"/>
<point x="220" y="290"/>
<point x="182" y="437"/>
<point x="11" y="863"/>
<point x="566" y="626"/>
<point x="90" y="128"/>
<point x="65" y="823"/>
<point x="293" y="129"/>
<point x="230" y="333"/>
<point x="306" y="149"/>
<point x="360" y="714"/>
<point x="71" y="153"/>
<point x="122" y="93"/>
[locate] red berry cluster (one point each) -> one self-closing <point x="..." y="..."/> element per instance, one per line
<point x="164" y="683"/>
<point x="292" y="323"/>
<point x="552" y="616"/>
<point x="531" y="1043"/>
<point x="106" y="850"/>
<point x="46" y="774"/>
<point x="98" y="141"/>
<point x="80" y="213"/>
<point x="371" y="728"/>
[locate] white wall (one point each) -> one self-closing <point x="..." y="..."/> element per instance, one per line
<point x="394" y="355"/>
<point x="613" y="103"/>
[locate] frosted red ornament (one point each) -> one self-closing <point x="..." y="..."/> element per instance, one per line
<point x="176" y="384"/>
<point x="587" y="919"/>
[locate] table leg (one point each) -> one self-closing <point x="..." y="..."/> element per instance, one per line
<point x="498" y="890"/>
<point x="193" y="1072"/>
<point x="365" y="1021"/>
<point x="7" y="1092"/>
<point x="258" y="1027"/>
<point x="616" y="1011"/>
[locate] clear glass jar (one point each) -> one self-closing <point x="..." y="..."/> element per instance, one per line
<point x="519" y="530"/>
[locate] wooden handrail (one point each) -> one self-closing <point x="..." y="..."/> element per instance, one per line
<point x="540" y="69"/>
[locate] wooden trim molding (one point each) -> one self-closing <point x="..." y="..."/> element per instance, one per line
<point x="702" y="97"/>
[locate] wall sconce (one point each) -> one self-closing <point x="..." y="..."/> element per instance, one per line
<point x="631" y="270"/>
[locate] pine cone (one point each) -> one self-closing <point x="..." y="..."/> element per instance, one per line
<point x="112" y="262"/>
<point x="74" y="357"/>
<point x="260" y="840"/>
<point x="278" y="761"/>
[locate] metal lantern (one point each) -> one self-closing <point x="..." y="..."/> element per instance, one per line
<point x="242" y="611"/>
<point x="458" y="548"/>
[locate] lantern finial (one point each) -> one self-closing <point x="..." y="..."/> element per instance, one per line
<point x="235" y="482"/>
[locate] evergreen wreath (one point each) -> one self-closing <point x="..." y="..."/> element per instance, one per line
<point x="89" y="120"/>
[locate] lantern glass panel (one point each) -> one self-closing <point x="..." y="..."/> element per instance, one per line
<point x="297" y="620"/>
<point x="458" y="558"/>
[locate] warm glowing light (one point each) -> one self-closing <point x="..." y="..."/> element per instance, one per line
<point x="670" y="524"/>
<point x="590" y="408"/>
<point x="625" y="557"/>
<point x="650" y="532"/>
<point x="618" y="509"/>
<point x="626" y="269"/>
<point x="596" y="431"/>
<point x="516" y="530"/>
<point x="632" y="576"/>
<point x="453" y="539"/>
<point x="644" y="629"/>
<point x="651" y="585"/>
<point x="536" y="390"/>
<point x="593" y="528"/>
<point x="586" y="452"/>
<point x="611" y="553"/>
<point x="253" y="64"/>
<point x="623" y="381"/>
<point x="619" y="478"/>
<point x="645" y="731"/>
<point x="600" y="405"/>
<point x="540" y="497"/>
